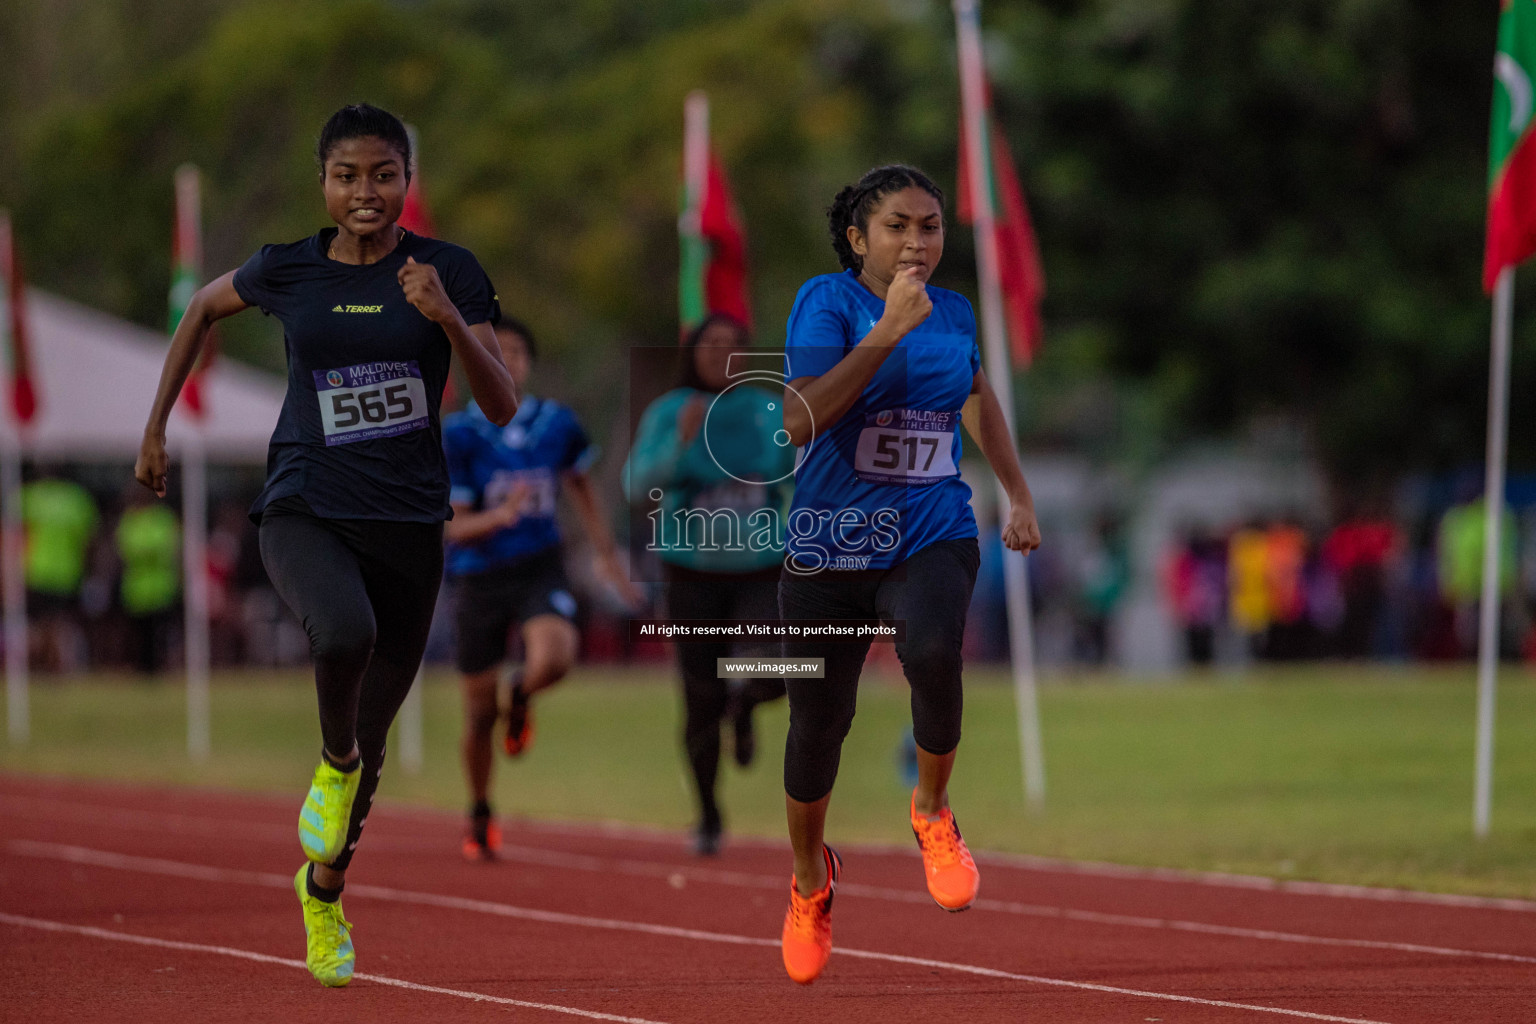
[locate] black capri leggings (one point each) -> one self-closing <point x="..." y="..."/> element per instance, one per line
<point x="930" y="592"/>
<point x="364" y="591"/>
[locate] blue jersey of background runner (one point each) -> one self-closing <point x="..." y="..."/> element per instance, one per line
<point x="337" y="316"/>
<point x="486" y="461"/>
<point x="930" y="370"/>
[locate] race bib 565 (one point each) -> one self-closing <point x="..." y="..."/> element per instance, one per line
<point x="907" y="446"/>
<point x="371" y="400"/>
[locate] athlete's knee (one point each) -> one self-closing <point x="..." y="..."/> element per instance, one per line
<point x="343" y="642"/>
<point x="480" y="710"/>
<point x="551" y="644"/>
<point x="480" y="719"/>
<point x="932" y="656"/>
<point x="822" y="729"/>
<point x="546" y="670"/>
<point x="937" y="734"/>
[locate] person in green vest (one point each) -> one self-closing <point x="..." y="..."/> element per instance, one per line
<point x="60" y="518"/>
<point x="1459" y="561"/>
<point x="149" y="544"/>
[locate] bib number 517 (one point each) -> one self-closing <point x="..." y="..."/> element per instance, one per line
<point x="888" y="452"/>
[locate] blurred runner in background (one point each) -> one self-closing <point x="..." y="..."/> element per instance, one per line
<point x="705" y="454"/>
<point x="504" y="552"/>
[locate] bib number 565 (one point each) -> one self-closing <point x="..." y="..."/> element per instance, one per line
<point x="377" y="405"/>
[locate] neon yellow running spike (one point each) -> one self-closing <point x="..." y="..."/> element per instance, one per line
<point x="328" y="935"/>
<point x="327" y="811"/>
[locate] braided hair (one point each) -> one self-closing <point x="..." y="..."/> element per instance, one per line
<point x="854" y="204"/>
<point x="361" y="120"/>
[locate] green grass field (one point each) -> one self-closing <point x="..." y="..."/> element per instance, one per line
<point x="1343" y="774"/>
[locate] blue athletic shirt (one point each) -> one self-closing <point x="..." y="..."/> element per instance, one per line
<point x="884" y="482"/>
<point x="485" y="462"/>
<point x="358" y="436"/>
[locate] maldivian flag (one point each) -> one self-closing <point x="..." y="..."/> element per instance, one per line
<point x="1018" y="259"/>
<point x="1511" y="154"/>
<point x="186" y="274"/>
<point x="713" y="276"/>
<point x="13" y="327"/>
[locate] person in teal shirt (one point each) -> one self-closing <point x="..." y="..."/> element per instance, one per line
<point x="712" y="458"/>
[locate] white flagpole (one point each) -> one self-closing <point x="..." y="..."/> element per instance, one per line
<point x="695" y="162"/>
<point x="18" y="715"/>
<point x="194" y="523"/>
<point x="1493" y="500"/>
<point x="994" y="339"/>
<point x="410" y="727"/>
<point x="12" y="539"/>
<point x="194" y="498"/>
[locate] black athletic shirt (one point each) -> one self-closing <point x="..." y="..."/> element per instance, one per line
<point x="359" y="435"/>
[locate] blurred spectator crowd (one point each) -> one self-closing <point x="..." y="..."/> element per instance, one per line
<point x="1364" y="587"/>
<point x="104" y="580"/>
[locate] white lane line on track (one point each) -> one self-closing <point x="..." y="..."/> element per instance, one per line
<point x="653" y="869"/>
<point x="1018" y="861"/>
<point x="202" y="872"/>
<point x="265" y="958"/>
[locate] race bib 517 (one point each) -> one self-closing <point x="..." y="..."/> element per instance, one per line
<point x="907" y="446"/>
<point x="371" y="400"/>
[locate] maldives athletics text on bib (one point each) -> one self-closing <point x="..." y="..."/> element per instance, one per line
<point x="371" y="400"/>
<point x="907" y="446"/>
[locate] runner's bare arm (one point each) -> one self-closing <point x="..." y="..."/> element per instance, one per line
<point x="213" y="301"/>
<point x="475" y="345"/>
<point x="823" y="400"/>
<point x="605" y="551"/>
<point x="990" y="431"/>
<point x="468" y="525"/>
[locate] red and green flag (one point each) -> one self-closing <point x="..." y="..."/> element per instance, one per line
<point x="186" y="276"/>
<point x="713" y="277"/>
<point x="1020" y="275"/>
<point x="1511" y="153"/>
<point x="13" y="328"/>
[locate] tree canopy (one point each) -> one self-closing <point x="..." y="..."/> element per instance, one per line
<point x="1245" y="209"/>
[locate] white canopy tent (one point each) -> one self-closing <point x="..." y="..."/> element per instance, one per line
<point x="96" y="375"/>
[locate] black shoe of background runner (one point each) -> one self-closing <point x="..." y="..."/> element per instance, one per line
<point x="706" y="841"/>
<point x="482" y="838"/>
<point x="519" y="729"/>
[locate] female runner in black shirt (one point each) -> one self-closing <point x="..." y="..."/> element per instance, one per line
<point x="357" y="486"/>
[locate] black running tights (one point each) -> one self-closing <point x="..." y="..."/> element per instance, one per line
<point x="364" y="591"/>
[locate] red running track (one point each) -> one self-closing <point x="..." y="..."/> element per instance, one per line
<point x="136" y="904"/>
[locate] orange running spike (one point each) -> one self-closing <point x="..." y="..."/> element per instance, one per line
<point x="807" y="938"/>
<point x="952" y="876"/>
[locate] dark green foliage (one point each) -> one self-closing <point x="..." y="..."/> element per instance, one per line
<point x="1245" y="208"/>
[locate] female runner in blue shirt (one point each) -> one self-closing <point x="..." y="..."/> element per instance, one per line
<point x="351" y="518"/>
<point x="879" y="365"/>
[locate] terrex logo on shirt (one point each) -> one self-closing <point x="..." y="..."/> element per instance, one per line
<point x="358" y="309"/>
